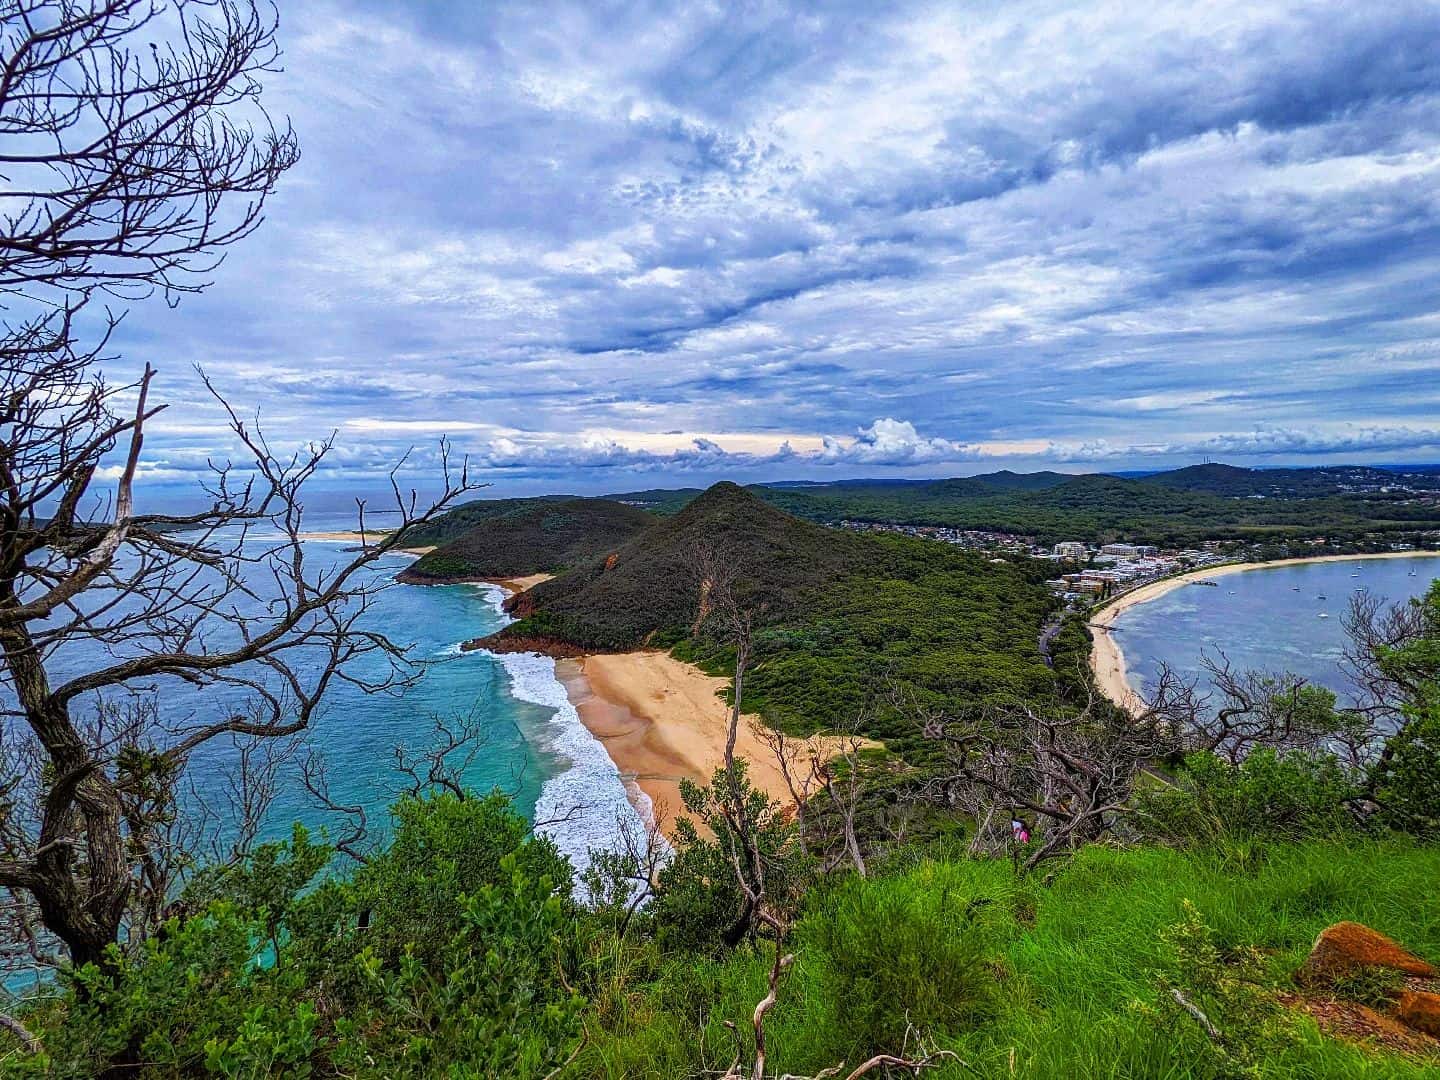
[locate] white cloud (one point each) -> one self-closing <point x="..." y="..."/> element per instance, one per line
<point x="1088" y="226"/>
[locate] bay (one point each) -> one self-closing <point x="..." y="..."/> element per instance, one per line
<point x="1269" y="618"/>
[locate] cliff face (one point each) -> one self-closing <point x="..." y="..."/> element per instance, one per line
<point x="498" y="643"/>
<point x="519" y="604"/>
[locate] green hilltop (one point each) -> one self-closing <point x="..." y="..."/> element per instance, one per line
<point x="841" y="615"/>
<point x="526" y="536"/>
<point x="1356" y="505"/>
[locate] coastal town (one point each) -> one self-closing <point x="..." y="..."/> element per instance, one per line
<point x="1091" y="572"/>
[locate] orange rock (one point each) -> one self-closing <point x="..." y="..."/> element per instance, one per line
<point x="1419" y="1009"/>
<point x="1348" y="946"/>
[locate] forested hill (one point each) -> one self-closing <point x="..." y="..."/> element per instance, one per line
<point x="844" y="618"/>
<point x="1352" y="504"/>
<point x="526" y="536"/>
<point x="1234" y="482"/>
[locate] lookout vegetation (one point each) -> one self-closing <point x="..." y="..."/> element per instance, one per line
<point x="1234" y="882"/>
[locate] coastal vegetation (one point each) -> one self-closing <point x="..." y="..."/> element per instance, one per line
<point x="1180" y="508"/>
<point x="462" y="949"/>
<point x="507" y="538"/>
<point x="1022" y="880"/>
<point x="1170" y="935"/>
<point x="839" y="616"/>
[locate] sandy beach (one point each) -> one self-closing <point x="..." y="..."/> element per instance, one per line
<point x="662" y="720"/>
<point x="519" y="584"/>
<point x="1107" y="660"/>
<point x="355" y="537"/>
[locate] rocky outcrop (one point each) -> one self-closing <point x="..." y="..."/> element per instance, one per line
<point x="1405" y="1018"/>
<point x="498" y="643"/>
<point x="519" y="604"/>
<point x="1420" y="1010"/>
<point x="1348" y="947"/>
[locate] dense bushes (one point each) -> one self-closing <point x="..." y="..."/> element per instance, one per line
<point x="893" y="958"/>
<point x="481" y="967"/>
<point x="1407" y="779"/>
<point x="453" y="952"/>
<point x="1270" y="795"/>
<point x="528" y="537"/>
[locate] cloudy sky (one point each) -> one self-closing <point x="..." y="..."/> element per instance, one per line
<point x="610" y="246"/>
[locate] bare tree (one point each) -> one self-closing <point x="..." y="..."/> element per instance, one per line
<point x="1240" y="710"/>
<point x="621" y="878"/>
<point x="746" y="814"/>
<point x="135" y="150"/>
<point x="1377" y="635"/>
<point x="831" y="765"/>
<point x="723" y="614"/>
<point x="133" y="144"/>
<point x="217" y="609"/>
<point x="442" y="763"/>
<point x="792" y="757"/>
<point x="843" y="786"/>
<point x="1073" y="770"/>
<point x="352" y="838"/>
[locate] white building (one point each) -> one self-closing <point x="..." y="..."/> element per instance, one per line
<point x="1129" y="551"/>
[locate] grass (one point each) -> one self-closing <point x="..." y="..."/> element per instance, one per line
<point x="1028" y="979"/>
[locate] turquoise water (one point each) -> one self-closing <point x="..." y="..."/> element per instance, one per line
<point x="1266" y="618"/>
<point x="533" y="745"/>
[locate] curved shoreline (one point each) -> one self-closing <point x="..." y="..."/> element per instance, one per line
<point x="1107" y="660"/>
<point x="658" y="719"/>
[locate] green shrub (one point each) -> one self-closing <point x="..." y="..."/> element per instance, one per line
<point x="1214" y="1003"/>
<point x="888" y="955"/>
<point x="1268" y="796"/>
<point x="1407" y="779"/>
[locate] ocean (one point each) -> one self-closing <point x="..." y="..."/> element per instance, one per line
<point x="1267" y="619"/>
<point x="534" y="746"/>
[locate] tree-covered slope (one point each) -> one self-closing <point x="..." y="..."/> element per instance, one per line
<point x="532" y="536"/>
<point x="651" y="585"/>
<point x="844" y="618"/>
<point x="1349" y="504"/>
<point x="1231" y="481"/>
<point x="461" y="519"/>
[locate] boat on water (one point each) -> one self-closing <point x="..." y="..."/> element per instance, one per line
<point x="1207" y="581"/>
<point x="1323" y="615"/>
<point x="1320" y="597"/>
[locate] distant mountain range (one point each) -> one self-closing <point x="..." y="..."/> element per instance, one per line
<point x="1350" y="504"/>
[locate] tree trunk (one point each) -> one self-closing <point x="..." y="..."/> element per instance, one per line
<point x="83" y="907"/>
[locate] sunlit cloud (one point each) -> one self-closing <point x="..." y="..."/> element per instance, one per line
<point x="790" y="241"/>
